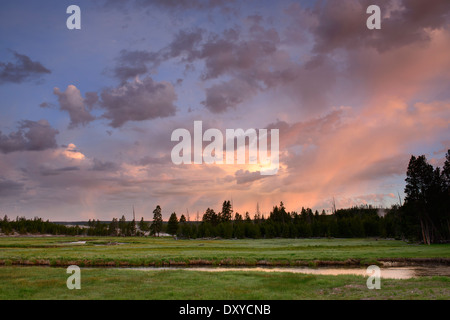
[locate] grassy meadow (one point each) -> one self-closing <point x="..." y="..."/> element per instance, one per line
<point x="103" y="283"/>
<point x="41" y="274"/>
<point x="139" y="251"/>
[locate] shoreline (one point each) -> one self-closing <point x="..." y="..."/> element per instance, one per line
<point x="385" y="262"/>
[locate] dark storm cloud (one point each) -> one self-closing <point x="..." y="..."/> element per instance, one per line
<point x="22" y="70"/>
<point x="342" y="24"/>
<point x="247" y="60"/>
<point x="140" y="100"/>
<point x="31" y="136"/>
<point x="410" y="24"/>
<point x="231" y="53"/>
<point x="252" y="61"/>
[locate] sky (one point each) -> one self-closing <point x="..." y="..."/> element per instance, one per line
<point x="87" y="114"/>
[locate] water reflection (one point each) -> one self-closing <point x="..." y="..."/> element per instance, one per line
<point x="386" y="272"/>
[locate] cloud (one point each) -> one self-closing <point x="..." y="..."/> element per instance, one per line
<point x="46" y="105"/>
<point x="104" y="165"/>
<point x="343" y="24"/>
<point x="71" y="152"/>
<point x="245" y="177"/>
<point x="54" y="172"/>
<point x="139" y="100"/>
<point x="133" y="63"/>
<point x="185" y="44"/>
<point x="149" y="160"/>
<point x="176" y="8"/>
<point x="131" y="101"/>
<point x="249" y="61"/>
<point x="385" y="167"/>
<point x="361" y="150"/>
<point x="24" y="69"/>
<point x="77" y="106"/>
<point x="310" y="132"/>
<point x="245" y="60"/>
<point x="10" y="188"/>
<point x="376" y="199"/>
<point x="184" y="4"/>
<point x="241" y="62"/>
<point x="233" y="53"/>
<point x="292" y="65"/>
<point x="226" y="95"/>
<point x="31" y="136"/>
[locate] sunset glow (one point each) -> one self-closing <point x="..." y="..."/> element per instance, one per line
<point x="87" y="115"/>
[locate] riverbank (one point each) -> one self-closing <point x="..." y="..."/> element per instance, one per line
<point x="403" y="262"/>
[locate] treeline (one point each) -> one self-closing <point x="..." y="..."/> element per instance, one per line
<point x="356" y="222"/>
<point x="426" y="212"/>
<point x="36" y="225"/>
<point x="425" y="217"/>
<point x="363" y="221"/>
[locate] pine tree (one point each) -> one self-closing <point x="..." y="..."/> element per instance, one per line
<point x="143" y="225"/>
<point x="185" y="230"/>
<point x="172" y="225"/>
<point x="156" y="226"/>
<point x="210" y="216"/>
<point x="445" y="178"/>
<point x="420" y="180"/>
<point x="123" y="225"/>
<point x="133" y="228"/>
<point x="112" y="230"/>
<point x="227" y="212"/>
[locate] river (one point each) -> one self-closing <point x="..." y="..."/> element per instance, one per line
<point x="385" y="272"/>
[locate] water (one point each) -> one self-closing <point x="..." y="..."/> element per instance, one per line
<point x="386" y="272"/>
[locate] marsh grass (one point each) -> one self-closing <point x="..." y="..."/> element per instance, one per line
<point x="106" y="251"/>
<point x="100" y="283"/>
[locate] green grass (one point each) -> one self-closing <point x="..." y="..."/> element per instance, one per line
<point x="37" y="282"/>
<point x="102" y="283"/>
<point x="162" y="251"/>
